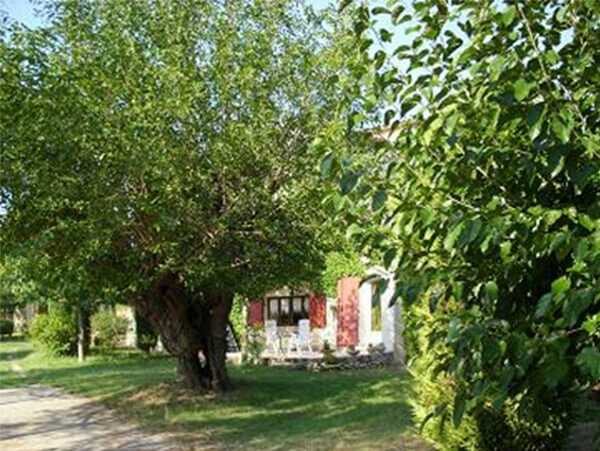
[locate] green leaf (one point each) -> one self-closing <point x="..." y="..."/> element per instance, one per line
<point x="505" y="250"/>
<point x="587" y="222"/>
<point x="440" y="409"/>
<point x="522" y="88"/>
<point x="486" y="243"/>
<point x="386" y="36"/>
<point x="491" y="290"/>
<point x="560" y="245"/>
<point x="558" y="167"/>
<point x="379" y="200"/>
<point x="561" y="285"/>
<point x="458" y="410"/>
<point x="534" y="120"/>
<point x="491" y="350"/>
<point x="543" y="306"/>
<point x="452" y="237"/>
<point x="551" y="216"/>
<point x="471" y="232"/>
<point x="349" y="181"/>
<point x="592" y="324"/>
<point x="344" y="4"/>
<point x="560" y="14"/>
<point x="561" y="130"/>
<point x="554" y="370"/>
<point x="509" y="15"/>
<point x="432" y="129"/>
<point x="327" y="164"/>
<point x="388" y="257"/>
<point x="576" y="305"/>
<point x="589" y="361"/>
<point x="380" y="10"/>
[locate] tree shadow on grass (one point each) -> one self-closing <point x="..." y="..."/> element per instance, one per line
<point x="13" y="355"/>
<point x="108" y="379"/>
<point x="8" y="351"/>
<point x="306" y="410"/>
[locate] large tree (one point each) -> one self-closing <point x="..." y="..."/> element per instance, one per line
<point x="160" y="151"/>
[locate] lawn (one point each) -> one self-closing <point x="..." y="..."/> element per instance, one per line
<point x="271" y="408"/>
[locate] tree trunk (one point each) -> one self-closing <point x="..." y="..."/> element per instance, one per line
<point x="80" y="334"/>
<point x="216" y="341"/>
<point x="191" y="372"/>
<point x="189" y="324"/>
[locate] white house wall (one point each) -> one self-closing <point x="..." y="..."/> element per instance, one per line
<point x="388" y="320"/>
<point x="364" y="314"/>
<point x="390" y="316"/>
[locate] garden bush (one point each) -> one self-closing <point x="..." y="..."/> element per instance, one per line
<point x="108" y="330"/>
<point x="7" y="327"/>
<point x="146" y="336"/>
<point x="543" y="427"/>
<point x="255" y="343"/>
<point x="54" y="332"/>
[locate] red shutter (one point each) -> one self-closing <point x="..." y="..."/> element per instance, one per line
<point x="317" y="310"/>
<point x="255" y="313"/>
<point x="347" y="311"/>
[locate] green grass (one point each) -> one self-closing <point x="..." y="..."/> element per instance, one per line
<point x="271" y="407"/>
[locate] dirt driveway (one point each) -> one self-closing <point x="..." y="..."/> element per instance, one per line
<point x="45" y="418"/>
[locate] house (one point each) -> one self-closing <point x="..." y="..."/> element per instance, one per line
<point x="359" y="316"/>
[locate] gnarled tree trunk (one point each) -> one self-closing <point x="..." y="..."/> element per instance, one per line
<point x="190" y="325"/>
<point x="215" y="339"/>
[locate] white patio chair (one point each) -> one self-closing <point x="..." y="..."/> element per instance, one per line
<point x="303" y="340"/>
<point x="272" y="344"/>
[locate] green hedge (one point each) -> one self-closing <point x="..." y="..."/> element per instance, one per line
<point x="54" y="332"/>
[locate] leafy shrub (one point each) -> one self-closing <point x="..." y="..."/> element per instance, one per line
<point x="433" y="391"/>
<point x="146" y="336"/>
<point x="436" y="398"/>
<point x="108" y="329"/>
<point x="7" y="327"/>
<point x="54" y="332"/>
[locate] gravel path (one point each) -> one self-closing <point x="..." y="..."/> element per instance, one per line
<point x="45" y="418"/>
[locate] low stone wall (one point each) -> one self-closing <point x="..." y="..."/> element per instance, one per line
<point x="335" y="362"/>
<point x="354" y="362"/>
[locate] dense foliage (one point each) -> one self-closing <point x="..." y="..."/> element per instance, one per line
<point x="160" y="151"/>
<point x="340" y="264"/>
<point x="54" y="332"/>
<point x="108" y="329"/>
<point x="484" y="197"/>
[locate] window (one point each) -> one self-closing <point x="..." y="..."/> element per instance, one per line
<point x="287" y="310"/>
<point x="375" y="308"/>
